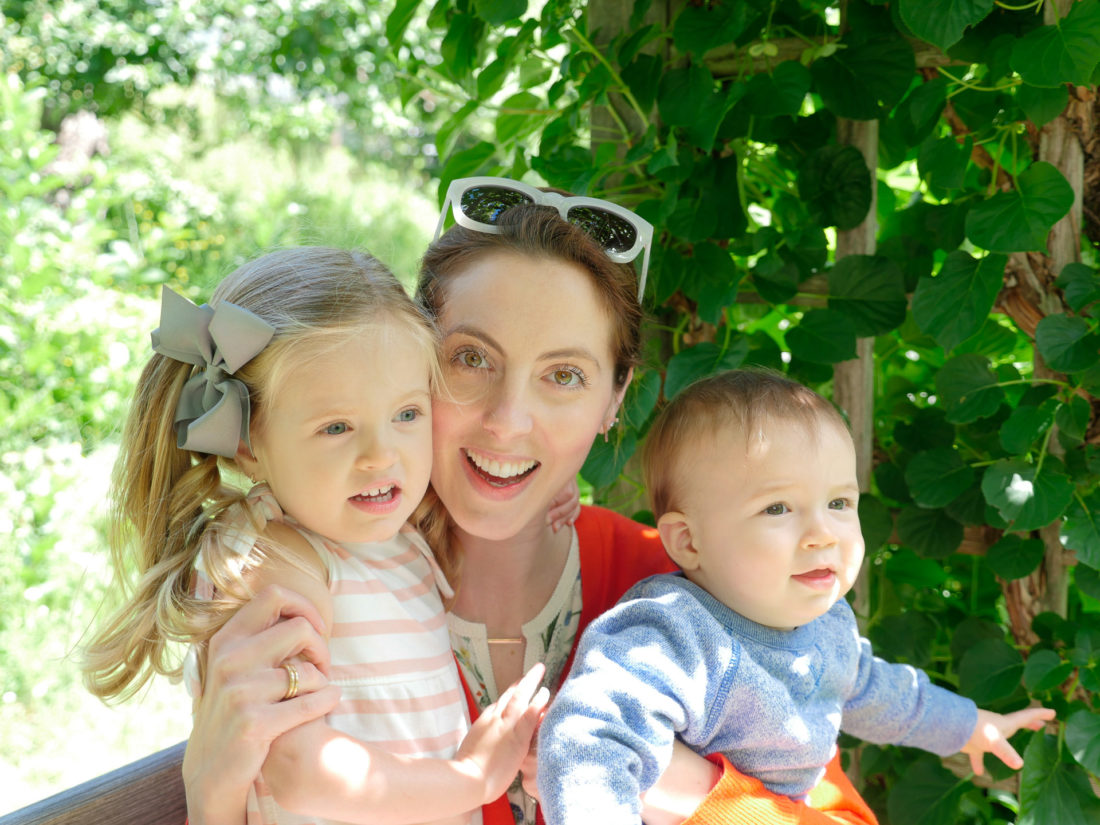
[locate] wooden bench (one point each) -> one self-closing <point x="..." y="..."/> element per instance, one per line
<point x="146" y="792"/>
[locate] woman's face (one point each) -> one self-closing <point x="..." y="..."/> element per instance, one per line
<point x="527" y="354"/>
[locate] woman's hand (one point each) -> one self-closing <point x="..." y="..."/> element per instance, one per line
<point x="500" y="739"/>
<point x="242" y="709"/>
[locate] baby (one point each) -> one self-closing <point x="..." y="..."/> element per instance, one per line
<point x="751" y="650"/>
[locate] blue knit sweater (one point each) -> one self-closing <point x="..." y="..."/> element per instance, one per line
<point x="670" y="660"/>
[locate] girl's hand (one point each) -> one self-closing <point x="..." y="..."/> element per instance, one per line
<point x="992" y="731"/>
<point x="241" y="710"/>
<point x="565" y="507"/>
<point x="499" y="741"/>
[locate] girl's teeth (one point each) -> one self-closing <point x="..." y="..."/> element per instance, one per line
<point x="375" y="492"/>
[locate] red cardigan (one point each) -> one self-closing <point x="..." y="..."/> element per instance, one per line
<point x="616" y="553"/>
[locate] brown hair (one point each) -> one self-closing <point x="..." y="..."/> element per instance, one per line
<point x="538" y="232"/>
<point x="166" y="501"/>
<point x="745" y="400"/>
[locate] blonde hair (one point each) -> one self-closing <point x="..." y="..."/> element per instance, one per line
<point x="537" y="232"/>
<point x="743" y="401"/>
<point x="166" y="501"/>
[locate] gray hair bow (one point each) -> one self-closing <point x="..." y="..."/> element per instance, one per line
<point x="213" y="410"/>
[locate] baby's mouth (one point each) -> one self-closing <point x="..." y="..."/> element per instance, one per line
<point x="500" y="473"/>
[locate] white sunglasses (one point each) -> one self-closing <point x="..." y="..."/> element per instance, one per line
<point x="477" y="203"/>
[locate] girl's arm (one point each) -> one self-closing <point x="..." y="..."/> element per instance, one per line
<point x="240" y="715"/>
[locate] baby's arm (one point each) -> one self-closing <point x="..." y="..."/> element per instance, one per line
<point x="992" y="731"/>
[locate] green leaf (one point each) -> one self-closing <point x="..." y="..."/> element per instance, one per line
<point x="875" y="522"/>
<point x="870" y="291"/>
<point x="906" y="637"/>
<point x="1067" y="343"/>
<point x="942" y="22"/>
<point x="931" y="533"/>
<point x="968" y="389"/>
<point x="776" y="279"/>
<point x="719" y="286"/>
<point x="1087" y="580"/>
<point x="699" y="28"/>
<point x="1083" y="739"/>
<point x="1052" y="790"/>
<point x="690" y="99"/>
<point x="823" y="336"/>
<point x="1014" y="557"/>
<point x="969" y="632"/>
<point x="866" y="79"/>
<point x="467" y="162"/>
<point x="1066" y="52"/>
<point x="989" y="671"/>
<point x="1023" y="498"/>
<point x="906" y="567"/>
<point x="1044" y="670"/>
<point x="954" y="304"/>
<point x="516" y="117"/>
<point x="643" y="76"/>
<point x="459" y="46"/>
<point x="1042" y="105"/>
<point x="1024" y="426"/>
<point x="927" y="794"/>
<point x="398" y="20"/>
<point x="778" y="93"/>
<point x="937" y="477"/>
<point x="606" y="460"/>
<point x="942" y="163"/>
<point x="1081" y="530"/>
<point x="1020" y="220"/>
<point x="835" y="186"/>
<point x="500" y="12"/>
<point x="641" y="398"/>
<point x="1080" y="284"/>
<point x="700" y="361"/>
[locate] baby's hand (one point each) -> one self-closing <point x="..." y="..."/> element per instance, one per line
<point x="565" y="507"/>
<point x="500" y="738"/>
<point x="992" y="731"/>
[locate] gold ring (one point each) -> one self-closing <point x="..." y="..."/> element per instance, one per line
<point x="292" y="680"/>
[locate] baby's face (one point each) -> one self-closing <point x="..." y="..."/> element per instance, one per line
<point x="774" y="522"/>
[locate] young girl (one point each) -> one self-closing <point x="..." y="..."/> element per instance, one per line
<point x="311" y="373"/>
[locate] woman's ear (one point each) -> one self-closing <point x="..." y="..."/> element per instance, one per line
<point x="612" y="416"/>
<point x="676" y="536"/>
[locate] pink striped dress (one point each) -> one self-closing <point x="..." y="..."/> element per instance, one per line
<point x="390" y="647"/>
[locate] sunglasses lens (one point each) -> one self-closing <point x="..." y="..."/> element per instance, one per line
<point x="610" y="231"/>
<point x="486" y="203"/>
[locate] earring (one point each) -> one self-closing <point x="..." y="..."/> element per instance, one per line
<point x="607" y="428"/>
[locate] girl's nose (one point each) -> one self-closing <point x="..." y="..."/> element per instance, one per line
<point x="375" y="451"/>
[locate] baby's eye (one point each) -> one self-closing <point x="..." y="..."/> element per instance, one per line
<point x="568" y="377"/>
<point x="776" y="509"/>
<point x="840" y="504"/>
<point x="407" y="415"/>
<point x="336" y="428"/>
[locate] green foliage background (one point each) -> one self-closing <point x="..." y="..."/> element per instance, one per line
<point x="237" y="126"/>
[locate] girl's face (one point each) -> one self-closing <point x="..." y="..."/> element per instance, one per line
<point x="346" y="441"/>
<point x="528" y="360"/>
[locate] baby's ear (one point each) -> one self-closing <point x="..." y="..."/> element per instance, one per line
<point x="676" y="535"/>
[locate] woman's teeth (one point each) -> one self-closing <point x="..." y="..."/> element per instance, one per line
<point x="500" y="469"/>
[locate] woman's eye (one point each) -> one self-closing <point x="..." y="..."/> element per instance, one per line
<point x="470" y="358"/>
<point x="568" y="377"/>
<point x="408" y="415"/>
<point x="338" y="428"/>
<point x="776" y="509"/>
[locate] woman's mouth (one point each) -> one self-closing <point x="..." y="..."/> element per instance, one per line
<point x="500" y="473"/>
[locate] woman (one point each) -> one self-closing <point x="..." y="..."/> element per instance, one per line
<point x="541" y="330"/>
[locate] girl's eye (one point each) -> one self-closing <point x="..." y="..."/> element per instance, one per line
<point x="569" y="377"/>
<point x="408" y="415"/>
<point x="338" y="428"/>
<point x="776" y="509"/>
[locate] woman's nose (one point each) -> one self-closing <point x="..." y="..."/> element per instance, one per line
<point x="509" y="411"/>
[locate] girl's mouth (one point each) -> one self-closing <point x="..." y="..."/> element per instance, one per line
<point x="500" y="473"/>
<point x="377" y="495"/>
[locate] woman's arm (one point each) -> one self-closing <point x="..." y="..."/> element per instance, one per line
<point x="241" y="713"/>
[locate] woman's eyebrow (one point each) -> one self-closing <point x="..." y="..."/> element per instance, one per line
<point x="557" y="354"/>
<point x="473" y="332"/>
